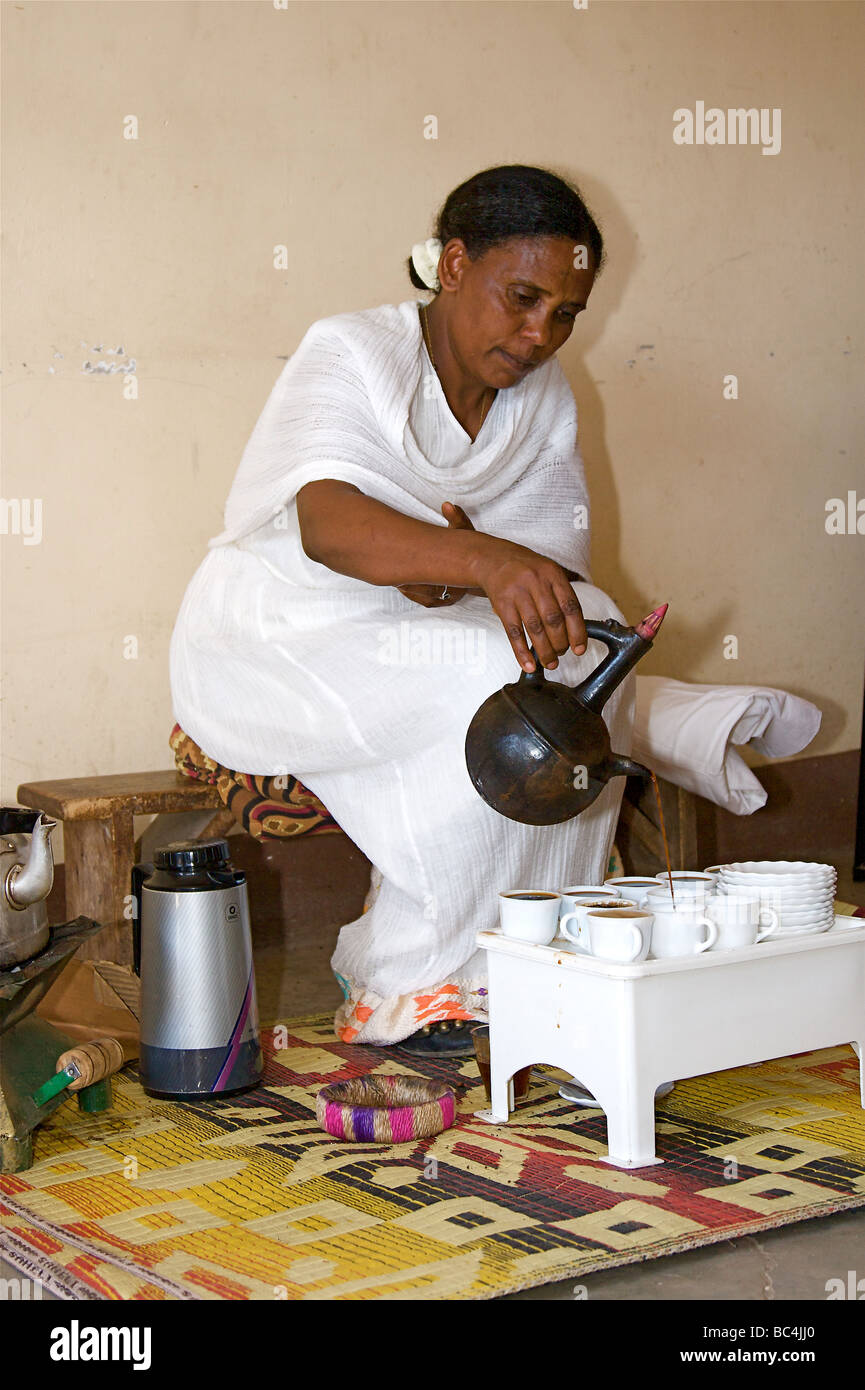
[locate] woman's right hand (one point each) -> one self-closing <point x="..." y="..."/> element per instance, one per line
<point x="532" y="592"/>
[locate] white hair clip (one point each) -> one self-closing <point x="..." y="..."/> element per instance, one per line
<point x="425" y="259"/>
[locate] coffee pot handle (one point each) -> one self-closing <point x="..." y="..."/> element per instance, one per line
<point x="611" y="633"/>
<point x="608" y="631"/>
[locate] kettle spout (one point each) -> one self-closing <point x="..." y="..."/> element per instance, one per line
<point x="31" y="882"/>
<point x="626" y="767"/>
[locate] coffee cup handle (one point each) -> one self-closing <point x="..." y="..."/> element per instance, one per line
<point x="575" y="937"/>
<point x="637" y="940"/>
<point x="773" y="924"/>
<point x="711" y="938"/>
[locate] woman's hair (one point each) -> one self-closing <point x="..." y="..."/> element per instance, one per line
<point x="514" y="200"/>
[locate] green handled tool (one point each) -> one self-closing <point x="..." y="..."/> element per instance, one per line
<point x="81" y="1067"/>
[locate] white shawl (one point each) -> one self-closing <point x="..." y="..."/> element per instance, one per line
<point x="340" y="409"/>
<point x="278" y="663"/>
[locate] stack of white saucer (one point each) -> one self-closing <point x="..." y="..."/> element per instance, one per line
<point x="802" y="894"/>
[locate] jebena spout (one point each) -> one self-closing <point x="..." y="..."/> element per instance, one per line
<point x="31" y="882"/>
<point x="626" y="767"/>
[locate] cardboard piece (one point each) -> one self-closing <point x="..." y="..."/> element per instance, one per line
<point x="95" y="999"/>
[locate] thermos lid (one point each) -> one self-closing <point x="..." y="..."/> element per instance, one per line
<point x="188" y="855"/>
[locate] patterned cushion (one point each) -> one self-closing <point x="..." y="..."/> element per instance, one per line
<point x="270" y="808"/>
<point x="276" y="808"/>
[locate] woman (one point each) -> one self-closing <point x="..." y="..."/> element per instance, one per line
<point x="410" y="461"/>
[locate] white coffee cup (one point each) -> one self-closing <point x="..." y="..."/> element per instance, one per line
<point x="741" y="920"/>
<point x="579" y="934"/>
<point x="681" y="930"/>
<point x="530" y="914"/>
<point x="634" y="887"/>
<point x="584" y="892"/>
<point x="659" y="900"/>
<point x="620" y="934"/>
<point x="688" y="883"/>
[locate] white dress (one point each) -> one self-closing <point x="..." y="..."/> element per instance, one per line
<point x="280" y="665"/>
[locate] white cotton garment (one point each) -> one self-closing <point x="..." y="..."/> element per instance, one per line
<point x="281" y="665"/>
<point x="686" y="732"/>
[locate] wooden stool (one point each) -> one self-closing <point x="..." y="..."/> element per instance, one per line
<point x="99" y="843"/>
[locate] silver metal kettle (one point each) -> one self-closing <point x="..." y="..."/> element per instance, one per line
<point x="26" y="876"/>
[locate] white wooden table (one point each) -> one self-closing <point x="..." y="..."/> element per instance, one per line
<point x="625" y="1029"/>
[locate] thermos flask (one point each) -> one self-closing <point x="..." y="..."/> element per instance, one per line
<point x="193" y="952"/>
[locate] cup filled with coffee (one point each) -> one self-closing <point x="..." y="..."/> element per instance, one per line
<point x="632" y="886"/>
<point x="621" y="934"/>
<point x="573" y="924"/>
<point x="530" y="914"/>
<point x="583" y="892"/>
<point x="688" y="883"/>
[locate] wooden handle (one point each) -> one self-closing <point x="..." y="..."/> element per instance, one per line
<point x="94" y="1060"/>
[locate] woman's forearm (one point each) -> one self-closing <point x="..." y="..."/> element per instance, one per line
<point x="356" y="535"/>
<point x="531" y="594"/>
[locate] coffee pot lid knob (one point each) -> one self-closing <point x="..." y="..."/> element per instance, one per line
<point x="187" y="855"/>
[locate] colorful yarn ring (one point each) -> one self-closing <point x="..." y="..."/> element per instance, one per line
<point x="385" y="1109"/>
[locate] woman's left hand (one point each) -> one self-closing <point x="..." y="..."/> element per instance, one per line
<point x="430" y="595"/>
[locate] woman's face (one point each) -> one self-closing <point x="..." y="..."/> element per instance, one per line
<point x="512" y="308"/>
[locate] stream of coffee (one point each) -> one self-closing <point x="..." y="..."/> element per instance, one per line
<point x="664" y="838"/>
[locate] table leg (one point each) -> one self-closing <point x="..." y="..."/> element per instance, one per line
<point x="99" y="855"/>
<point x="501" y="1091"/>
<point x="630" y="1112"/>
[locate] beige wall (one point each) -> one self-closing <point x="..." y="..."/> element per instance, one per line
<point x="304" y="126"/>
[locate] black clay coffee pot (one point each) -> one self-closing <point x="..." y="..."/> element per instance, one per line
<point x="538" y="751"/>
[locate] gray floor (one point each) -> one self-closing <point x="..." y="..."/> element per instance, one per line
<point x="325" y="885"/>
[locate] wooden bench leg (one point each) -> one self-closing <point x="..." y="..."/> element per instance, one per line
<point x="222" y="822"/>
<point x="99" y="856"/>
